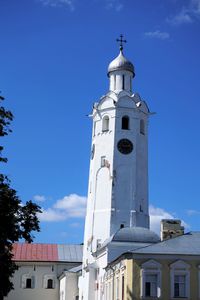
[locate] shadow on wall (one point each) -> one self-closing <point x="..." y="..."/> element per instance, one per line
<point x="130" y="294"/>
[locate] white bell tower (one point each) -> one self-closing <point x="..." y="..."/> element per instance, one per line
<point x="118" y="179"/>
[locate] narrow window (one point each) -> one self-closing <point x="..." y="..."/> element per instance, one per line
<point x="94" y="129"/>
<point x="180" y="279"/>
<point x="93" y="151"/>
<point x="114" y="82"/>
<point x="103" y="161"/>
<point x="179" y="286"/>
<point x="117" y="288"/>
<point x="50" y="284"/>
<point x="123" y="82"/>
<point x="105" y="125"/>
<point x="122" y="287"/>
<point x="142" y="127"/>
<point x="125" y="122"/>
<point x="28" y="283"/>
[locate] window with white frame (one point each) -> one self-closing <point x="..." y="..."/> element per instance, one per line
<point x="151" y="279"/>
<point x="105" y="124"/>
<point x="28" y="281"/>
<point x="151" y="285"/>
<point x="179" y="286"/>
<point x="180" y="279"/>
<point x="49" y="282"/>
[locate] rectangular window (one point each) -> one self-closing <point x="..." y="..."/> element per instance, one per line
<point x="123" y="82"/>
<point x="151" y="283"/>
<point x="50" y="284"/>
<point x="28" y="283"/>
<point x="179" y="286"/>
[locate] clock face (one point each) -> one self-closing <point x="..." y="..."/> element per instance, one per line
<point x="125" y="146"/>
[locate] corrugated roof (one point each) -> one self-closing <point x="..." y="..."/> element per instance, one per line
<point x="187" y="244"/>
<point x="70" y="253"/>
<point x="47" y="252"/>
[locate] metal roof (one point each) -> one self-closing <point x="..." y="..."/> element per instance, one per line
<point x="186" y="244"/>
<point x="121" y="63"/>
<point x="75" y="269"/>
<point x="47" y="252"/>
<point x="70" y="253"/>
<point x="136" y="234"/>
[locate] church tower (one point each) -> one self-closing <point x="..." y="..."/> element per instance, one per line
<point x="118" y="178"/>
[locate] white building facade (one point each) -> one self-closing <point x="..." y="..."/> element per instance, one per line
<point x="46" y="272"/>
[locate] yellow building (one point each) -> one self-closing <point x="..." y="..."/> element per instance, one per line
<point x="166" y="270"/>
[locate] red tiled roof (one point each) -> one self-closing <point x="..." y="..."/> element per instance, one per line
<point x="35" y="252"/>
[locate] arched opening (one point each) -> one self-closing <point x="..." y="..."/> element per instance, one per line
<point x="125" y="122"/>
<point x="105" y="124"/>
<point x="142" y="127"/>
<point x="50" y="284"/>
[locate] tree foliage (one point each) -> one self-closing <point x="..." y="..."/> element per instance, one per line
<point x="17" y="220"/>
<point x="5" y="118"/>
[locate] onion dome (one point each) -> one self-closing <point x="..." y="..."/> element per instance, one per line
<point x="121" y="63"/>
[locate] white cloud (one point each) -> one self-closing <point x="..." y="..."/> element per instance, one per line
<point x="187" y="14"/>
<point x="39" y="198"/>
<point x="192" y="212"/>
<point x="156" y="215"/>
<point x="72" y="206"/>
<point x="114" y="4"/>
<point x="52" y="215"/>
<point x="59" y="3"/>
<point x="182" y="17"/>
<point x="70" y="202"/>
<point x="157" y="35"/>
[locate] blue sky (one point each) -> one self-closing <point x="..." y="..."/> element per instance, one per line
<point x="53" y="65"/>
